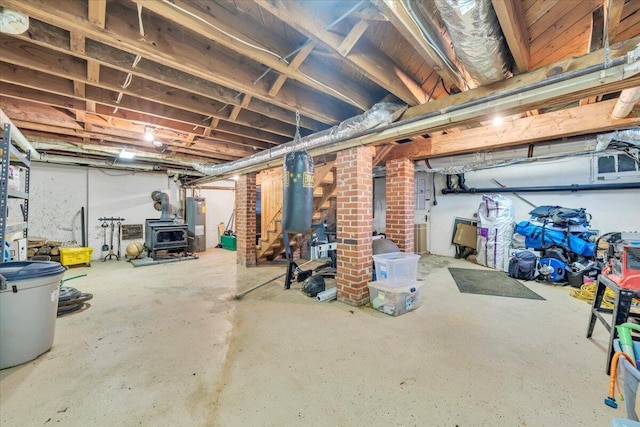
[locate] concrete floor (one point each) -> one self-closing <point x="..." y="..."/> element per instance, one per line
<point x="168" y="345"/>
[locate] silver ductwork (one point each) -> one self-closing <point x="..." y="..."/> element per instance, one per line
<point x="380" y="114"/>
<point x="462" y="163"/>
<point x="629" y="136"/>
<point x="477" y="38"/>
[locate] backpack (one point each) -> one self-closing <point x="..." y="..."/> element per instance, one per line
<point x="522" y="265"/>
<point x="562" y="217"/>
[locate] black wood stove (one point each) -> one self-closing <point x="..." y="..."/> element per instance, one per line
<point x="165" y="235"/>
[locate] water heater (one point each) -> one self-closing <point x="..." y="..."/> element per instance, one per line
<point x="195" y="213"/>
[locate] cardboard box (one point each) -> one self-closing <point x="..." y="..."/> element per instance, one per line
<point x="466" y="235"/>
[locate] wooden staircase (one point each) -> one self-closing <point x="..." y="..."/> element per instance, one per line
<point x="271" y="243"/>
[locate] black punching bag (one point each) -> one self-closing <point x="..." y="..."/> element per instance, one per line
<point x="297" y="201"/>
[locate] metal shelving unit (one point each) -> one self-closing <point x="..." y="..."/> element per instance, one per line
<point x="12" y="156"/>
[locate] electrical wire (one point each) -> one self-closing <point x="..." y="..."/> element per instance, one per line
<point x="588" y="291"/>
<point x="246" y="43"/>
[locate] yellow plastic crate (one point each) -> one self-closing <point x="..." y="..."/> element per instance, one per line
<point x="73" y="256"/>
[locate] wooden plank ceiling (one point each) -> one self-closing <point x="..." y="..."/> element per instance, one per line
<point x="219" y="80"/>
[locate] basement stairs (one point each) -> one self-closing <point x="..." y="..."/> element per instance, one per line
<point x="271" y="243"/>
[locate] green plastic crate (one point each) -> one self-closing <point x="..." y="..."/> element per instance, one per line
<point x="229" y="242"/>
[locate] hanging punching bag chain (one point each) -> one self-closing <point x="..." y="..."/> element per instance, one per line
<point x="296" y="138"/>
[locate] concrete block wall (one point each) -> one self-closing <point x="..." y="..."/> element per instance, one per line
<point x="400" y="206"/>
<point x="354" y="224"/>
<point x="246" y="220"/>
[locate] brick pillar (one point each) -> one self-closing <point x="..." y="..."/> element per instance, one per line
<point x="399" y="195"/>
<point x="245" y="215"/>
<point x="354" y="224"/>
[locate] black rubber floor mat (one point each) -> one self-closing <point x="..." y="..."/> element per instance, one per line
<point x="485" y="282"/>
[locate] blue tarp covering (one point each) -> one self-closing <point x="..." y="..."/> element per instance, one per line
<point x="538" y="237"/>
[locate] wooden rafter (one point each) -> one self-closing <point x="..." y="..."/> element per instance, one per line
<point x="352" y="38"/>
<point x="510" y="17"/>
<point x="406" y="25"/>
<point x="178" y="51"/>
<point x="559" y="124"/>
<point x="374" y="64"/>
<point x="613" y="15"/>
<point x="293" y="65"/>
<point x="573" y="64"/>
<point x="58" y="65"/>
<point x="97" y="12"/>
<point x="57" y="40"/>
<point x="223" y="27"/>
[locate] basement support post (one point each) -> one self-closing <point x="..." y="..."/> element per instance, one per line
<point x="245" y="213"/>
<point x="354" y="224"/>
<point x="399" y="196"/>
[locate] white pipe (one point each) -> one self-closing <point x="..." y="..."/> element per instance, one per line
<point x="626" y="102"/>
<point x="326" y="295"/>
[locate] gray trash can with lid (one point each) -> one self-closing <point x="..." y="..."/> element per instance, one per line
<point x="28" y="307"/>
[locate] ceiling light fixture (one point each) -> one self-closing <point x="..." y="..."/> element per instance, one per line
<point x="157" y="143"/>
<point x="497" y="121"/>
<point x="148" y="134"/>
<point x="124" y="154"/>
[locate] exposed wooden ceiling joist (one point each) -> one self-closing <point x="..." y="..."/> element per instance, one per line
<point x="218" y="24"/>
<point x="172" y="47"/>
<point x="570" y="122"/>
<point x="510" y="17"/>
<point x="406" y="25"/>
<point x="374" y="64"/>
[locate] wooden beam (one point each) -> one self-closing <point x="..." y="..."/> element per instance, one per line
<point x="294" y="65"/>
<point x="48" y="119"/>
<point x="565" y="66"/>
<point x="352" y="38"/>
<point x="93" y="72"/>
<point x="237" y="108"/>
<point x="77" y="43"/>
<point x="510" y="17"/>
<point x="61" y="86"/>
<point x="227" y="29"/>
<point x="612" y="16"/>
<point x="97" y="12"/>
<point x="370" y="60"/>
<point x="78" y="89"/>
<point x="58" y="40"/>
<point x="405" y="24"/>
<point x="40" y="59"/>
<point x="559" y="124"/>
<point x="181" y="51"/>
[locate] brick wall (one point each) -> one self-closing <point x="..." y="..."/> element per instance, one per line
<point x="354" y="224"/>
<point x="400" y="206"/>
<point x="245" y="215"/>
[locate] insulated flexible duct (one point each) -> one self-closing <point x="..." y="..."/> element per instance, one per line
<point x="477" y="38"/>
<point x="380" y="114"/>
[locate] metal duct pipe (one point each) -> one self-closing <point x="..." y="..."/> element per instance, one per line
<point x="380" y="114"/>
<point x="78" y="161"/>
<point x="462" y="163"/>
<point x="570" y="82"/>
<point x="477" y="38"/>
<point x="626" y="102"/>
<point x="630" y="136"/>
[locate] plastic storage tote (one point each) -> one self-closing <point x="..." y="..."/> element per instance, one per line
<point x="395" y="300"/>
<point x="73" y="256"/>
<point x="396" y="268"/>
<point x="28" y="307"/>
